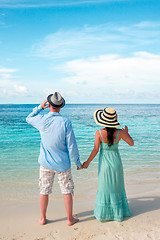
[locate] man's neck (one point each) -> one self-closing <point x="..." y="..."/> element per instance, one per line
<point x="54" y="110"/>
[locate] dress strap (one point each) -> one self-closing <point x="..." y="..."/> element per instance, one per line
<point x="117" y="136"/>
<point x="101" y="135"/>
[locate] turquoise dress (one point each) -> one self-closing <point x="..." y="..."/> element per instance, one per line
<point x="111" y="200"/>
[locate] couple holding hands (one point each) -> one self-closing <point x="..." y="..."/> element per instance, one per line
<point x="58" y="144"/>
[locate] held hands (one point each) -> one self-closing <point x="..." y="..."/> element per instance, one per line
<point x="81" y="167"/>
<point x="84" y="165"/>
<point x="43" y="104"/>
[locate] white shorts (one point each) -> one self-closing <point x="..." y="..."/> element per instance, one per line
<point x="46" y="180"/>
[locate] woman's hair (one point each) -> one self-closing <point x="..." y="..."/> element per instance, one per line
<point x="110" y="133"/>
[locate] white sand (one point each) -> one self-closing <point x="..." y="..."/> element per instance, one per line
<point x="18" y="219"/>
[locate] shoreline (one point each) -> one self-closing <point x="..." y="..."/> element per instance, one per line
<point x="14" y="190"/>
<point x="19" y="217"/>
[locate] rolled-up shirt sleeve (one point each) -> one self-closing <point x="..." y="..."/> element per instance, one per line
<point x="72" y="144"/>
<point x="34" y="119"/>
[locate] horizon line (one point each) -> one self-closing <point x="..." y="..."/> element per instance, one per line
<point x="85" y="103"/>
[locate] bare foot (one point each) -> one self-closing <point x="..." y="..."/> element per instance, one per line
<point x="74" y="220"/>
<point x="42" y="221"/>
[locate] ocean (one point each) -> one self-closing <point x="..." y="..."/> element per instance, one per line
<point x="20" y="144"/>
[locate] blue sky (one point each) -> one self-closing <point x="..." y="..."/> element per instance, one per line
<point x="91" y="51"/>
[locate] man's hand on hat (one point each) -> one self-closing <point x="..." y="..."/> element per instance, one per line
<point x="43" y="104"/>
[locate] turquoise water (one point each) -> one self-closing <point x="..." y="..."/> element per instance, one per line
<point x="20" y="142"/>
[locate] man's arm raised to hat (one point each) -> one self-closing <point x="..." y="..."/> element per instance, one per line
<point x="33" y="118"/>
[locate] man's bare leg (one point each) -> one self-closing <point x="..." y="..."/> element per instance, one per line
<point x="68" y="202"/>
<point x="43" y="205"/>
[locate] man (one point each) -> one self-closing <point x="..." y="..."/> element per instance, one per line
<point x="57" y="143"/>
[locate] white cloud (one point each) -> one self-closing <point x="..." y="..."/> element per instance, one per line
<point x="87" y="41"/>
<point x="48" y="91"/>
<point x="97" y="40"/>
<point x="68" y="43"/>
<point x="148" y="24"/>
<point x="20" y="89"/>
<point x="47" y="3"/>
<point x="142" y="68"/>
<point x="6" y="74"/>
<point x="135" y="78"/>
<point x="10" y="87"/>
<point x="7" y="70"/>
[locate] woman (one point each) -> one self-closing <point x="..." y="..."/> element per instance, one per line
<point x="111" y="200"/>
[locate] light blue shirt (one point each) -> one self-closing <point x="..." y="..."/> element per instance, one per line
<point x="58" y="141"/>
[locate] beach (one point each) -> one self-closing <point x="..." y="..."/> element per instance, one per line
<point x="19" y="219"/>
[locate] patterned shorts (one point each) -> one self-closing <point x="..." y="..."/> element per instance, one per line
<point x="46" y="180"/>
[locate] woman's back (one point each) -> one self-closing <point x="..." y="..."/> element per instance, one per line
<point x="109" y="160"/>
<point x="117" y="136"/>
<point x="105" y="135"/>
<point x="105" y="141"/>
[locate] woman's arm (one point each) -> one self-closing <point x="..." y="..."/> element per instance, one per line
<point x="126" y="137"/>
<point x="94" y="151"/>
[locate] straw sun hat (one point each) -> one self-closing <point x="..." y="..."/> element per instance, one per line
<point x="107" y="117"/>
